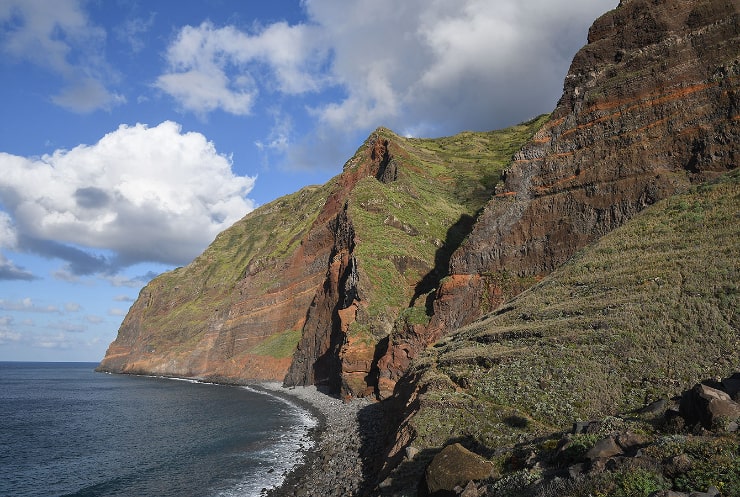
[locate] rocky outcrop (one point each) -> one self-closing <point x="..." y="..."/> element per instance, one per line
<point x="645" y="452"/>
<point x="650" y="105"/>
<point x="712" y="408"/>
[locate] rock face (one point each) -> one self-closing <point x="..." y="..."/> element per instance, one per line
<point x="307" y="288"/>
<point x="650" y="105"/>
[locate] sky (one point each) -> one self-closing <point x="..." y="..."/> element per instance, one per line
<point x="132" y="132"/>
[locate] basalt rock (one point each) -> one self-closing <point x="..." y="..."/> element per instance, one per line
<point x="650" y="105"/>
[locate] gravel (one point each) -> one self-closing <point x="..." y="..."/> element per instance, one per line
<point x="348" y="442"/>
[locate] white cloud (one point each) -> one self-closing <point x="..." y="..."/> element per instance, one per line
<point x="425" y="67"/>
<point x="68" y="327"/>
<point x="141" y="194"/>
<point x="217" y="68"/>
<point x="26" y="305"/>
<point x="72" y="307"/>
<point x="56" y="341"/>
<point x="58" y="37"/>
<point x="132" y="31"/>
<point x="8" y="235"/>
<point x="7" y="335"/>
<point x="279" y="138"/>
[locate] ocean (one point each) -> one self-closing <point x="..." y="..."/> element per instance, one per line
<point x="68" y="431"/>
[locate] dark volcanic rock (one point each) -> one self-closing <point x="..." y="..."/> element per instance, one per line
<point x="711" y="407"/>
<point x="604" y="448"/>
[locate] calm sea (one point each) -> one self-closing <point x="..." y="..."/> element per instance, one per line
<point x="68" y="431"/>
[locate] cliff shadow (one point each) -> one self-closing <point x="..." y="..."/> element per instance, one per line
<point x="456" y="234"/>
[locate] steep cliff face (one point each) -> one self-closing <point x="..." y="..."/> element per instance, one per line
<point x="307" y="288"/>
<point x="409" y="205"/>
<point x="237" y="310"/>
<point x="650" y="105"/>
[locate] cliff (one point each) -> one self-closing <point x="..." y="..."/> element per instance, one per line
<point x="635" y="318"/>
<point x="306" y="289"/>
<point x="650" y="106"/>
<point x="494" y="286"/>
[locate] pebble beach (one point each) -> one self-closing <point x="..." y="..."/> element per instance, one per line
<point x="347" y="442"/>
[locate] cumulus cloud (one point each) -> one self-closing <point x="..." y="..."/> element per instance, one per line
<point x="140" y="194"/>
<point x="213" y="68"/>
<point x="420" y="67"/>
<point x="46" y="34"/>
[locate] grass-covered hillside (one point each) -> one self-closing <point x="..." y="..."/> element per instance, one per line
<point x="406" y="229"/>
<point x="644" y="313"/>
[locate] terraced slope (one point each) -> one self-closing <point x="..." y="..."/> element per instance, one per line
<point x="645" y="311"/>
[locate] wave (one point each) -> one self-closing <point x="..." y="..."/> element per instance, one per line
<point x="285" y="452"/>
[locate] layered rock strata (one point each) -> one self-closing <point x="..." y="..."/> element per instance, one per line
<point x="307" y="288"/>
<point x="650" y="105"/>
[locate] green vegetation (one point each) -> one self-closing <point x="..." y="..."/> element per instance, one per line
<point x="405" y="231"/>
<point x="640" y="315"/>
<point x="408" y="228"/>
<point x="279" y="345"/>
<point x="183" y="302"/>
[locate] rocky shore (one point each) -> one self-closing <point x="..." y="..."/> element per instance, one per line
<point x="347" y="442"/>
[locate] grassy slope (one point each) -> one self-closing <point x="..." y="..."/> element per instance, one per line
<point x="645" y="312"/>
<point x="407" y="227"/>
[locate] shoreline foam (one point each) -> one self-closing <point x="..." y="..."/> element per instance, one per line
<point x="345" y="446"/>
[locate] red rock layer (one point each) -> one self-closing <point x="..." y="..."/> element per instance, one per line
<point x="649" y="105"/>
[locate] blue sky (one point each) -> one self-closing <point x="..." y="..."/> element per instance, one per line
<point x="132" y="132"/>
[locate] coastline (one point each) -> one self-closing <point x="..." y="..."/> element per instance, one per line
<point x="345" y="446"/>
<point x="345" y="443"/>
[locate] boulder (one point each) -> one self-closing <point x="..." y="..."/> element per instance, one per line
<point x="711" y="407"/>
<point x="455" y="466"/>
<point x="603" y="449"/>
<point x="731" y="385"/>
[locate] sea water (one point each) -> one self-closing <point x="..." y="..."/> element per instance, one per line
<point x="68" y="431"/>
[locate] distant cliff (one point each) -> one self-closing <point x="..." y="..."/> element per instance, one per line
<point x="307" y="289"/>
